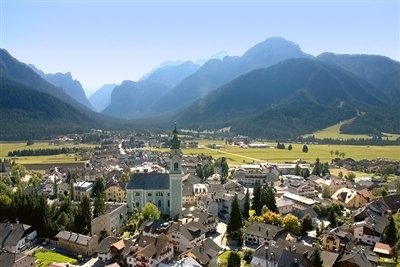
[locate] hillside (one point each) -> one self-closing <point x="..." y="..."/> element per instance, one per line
<point x="70" y="86"/>
<point x="214" y="73"/>
<point x="287" y="99"/>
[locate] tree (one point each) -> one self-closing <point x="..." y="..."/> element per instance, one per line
<point x="351" y="176"/>
<point x="326" y="192"/>
<point x="234" y="259"/>
<point x="150" y="212"/>
<point x="396" y="251"/>
<point x="268" y="198"/>
<point x="337" y="153"/>
<point x="271" y="218"/>
<point x="315" y="259"/>
<point x="99" y="205"/>
<point x="291" y="223"/>
<point x="317" y="168"/>
<point x="306" y="225"/>
<point x="390" y="233"/>
<point x="290" y="147"/>
<point x="99" y="186"/>
<point x="246" y="207"/>
<point x="83" y="216"/>
<point x="305" y="173"/>
<point x="331" y="153"/>
<point x="332" y="218"/>
<point x="340" y="174"/>
<point x="297" y="170"/>
<point x="305" y="148"/>
<point x="62" y="221"/>
<point x="257" y="206"/>
<point x="248" y="255"/>
<point x="235" y="220"/>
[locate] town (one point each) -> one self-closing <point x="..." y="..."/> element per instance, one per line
<point x="139" y="201"/>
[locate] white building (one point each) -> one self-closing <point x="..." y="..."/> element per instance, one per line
<point x="162" y="189"/>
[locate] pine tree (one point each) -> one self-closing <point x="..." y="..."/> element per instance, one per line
<point x="305" y="148"/>
<point x="99" y="205"/>
<point x="235" y="220"/>
<point x="306" y="225"/>
<point x="390" y="232"/>
<point x="317" y="168"/>
<point x="234" y="259"/>
<point x="305" y="173"/>
<point x="315" y="259"/>
<point x="257" y="206"/>
<point x="297" y="170"/>
<point x="83" y="217"/>
<point x="246" y="207"/>
<point x="290" y="147"/>
<point x="268" y="198"/>
<point x="332" y="218"/>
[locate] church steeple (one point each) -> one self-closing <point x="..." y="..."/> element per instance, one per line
<point x="175" y="142"/>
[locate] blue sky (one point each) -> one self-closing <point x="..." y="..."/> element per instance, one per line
<point x="110" y="41"/>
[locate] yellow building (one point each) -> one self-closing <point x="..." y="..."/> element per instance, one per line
<point x="350" y="198"/>
<point x="115" y="192"/>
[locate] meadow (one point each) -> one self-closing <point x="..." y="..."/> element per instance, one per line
<point x="238" y="155"/>
<point x="333" y="132"/>
<point x="6" y="147"/>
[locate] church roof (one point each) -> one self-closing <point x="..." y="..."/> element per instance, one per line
<point x="149" y="181"/>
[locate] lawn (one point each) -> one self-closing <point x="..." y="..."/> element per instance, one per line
<point x="345" y="172"/>
<point x="333" y="132"/>
<point x="45" y="257"/>
<point x="223" y="258"/>
<point x="237" y="155"/>
<point x="6" y="147"/>
<point x="54" y="159"/>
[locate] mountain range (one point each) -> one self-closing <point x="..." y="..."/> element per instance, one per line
<point x="273" y="90"/>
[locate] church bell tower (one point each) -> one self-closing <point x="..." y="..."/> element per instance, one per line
<point x="175" y="176"/>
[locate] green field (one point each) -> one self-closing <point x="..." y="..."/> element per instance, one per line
<point x="6" y="147"/>
<point x="45" y="257"/>
<point x="333" y="132"/>
<point x="237" y="155"/>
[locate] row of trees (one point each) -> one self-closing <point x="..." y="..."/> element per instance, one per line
<point x="47" y="151"/>
<point x="263" y="196"/>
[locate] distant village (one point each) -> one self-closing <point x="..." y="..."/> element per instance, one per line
<point x="134" y="205"/>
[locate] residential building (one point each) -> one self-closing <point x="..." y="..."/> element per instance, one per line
<point x="259" y="233"/>
<point x="206" y="253"/>
<point x="82" y="189"/>
<point x="113" y="249"/>
<point x="299" y="202"/>
<point x="284" y="205"/>
<point x="150" y="251"/>
<point x="336" y="240"/>
<point x="111" y="221"/>
<point x="370" y="230"/>
<point x="115" y="191"/>
<point x="16" y="237"/>
<point x="302" y="189"/>
<point x="80" y="244"/>
<point x="9" y="259"/>
<point x="350" y="198"/>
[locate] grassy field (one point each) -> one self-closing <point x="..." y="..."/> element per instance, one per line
<point x="333" y="132"/>
<point x="345" y="172"/>
<point x="238" y="155"/>
<point x="6" y="147"/>
<point x="45" y="257"/>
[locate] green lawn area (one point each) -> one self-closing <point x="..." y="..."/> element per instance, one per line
<point x="333" y="132"/>
<point x="6" y="147"/>
<point x="45" y="257"/>
<point x="223" y="258"/>
<point x="345" y="172"/>
<point x="62" y="158"/>
<point x="237" y="155"/>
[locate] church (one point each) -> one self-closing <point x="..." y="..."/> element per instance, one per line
<point x="162" y="189"/>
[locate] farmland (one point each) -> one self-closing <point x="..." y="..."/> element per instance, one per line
<point x="238" y="155"/>
<point x="333" y="132"/>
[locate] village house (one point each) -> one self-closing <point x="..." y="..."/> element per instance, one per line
<point x="370" y="230"/>
<point x="206" y="253"/>
<point x="115" y="191"/>
<point x="186" y="236"/>
<point x="350" y="198"/>
<point x="16" y="237"/>
<point x="208" y="220"/>
<point x="8" y="259"/>
<point x="299" y="202"/>
<point x="302" y="189"/>
<point x="113" y="249"/>
<point x="80" y="244"/>
<point x="82" y="189"/>
<point x="284" y="205"/>
<point x="336" y="240"/>
<point x="113" y="219"/>
<point x="259" y="233"/>
<point x="150" y="251"/>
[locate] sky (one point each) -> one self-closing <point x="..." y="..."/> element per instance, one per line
<point x="102" y="42"/>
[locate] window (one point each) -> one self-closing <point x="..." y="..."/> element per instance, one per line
<point x="149" y="194"/>
<point x="176" y="166"/>
<point x="137" y="204"/>
<point x="168" y="194"/>
<point x="159" y="203"/>
<point x="137" y="194"/>
<point x="168" y="203"/>
<point x="159" y="194"/>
